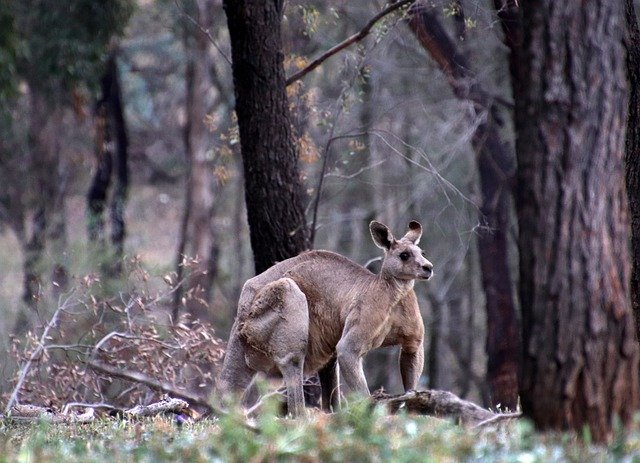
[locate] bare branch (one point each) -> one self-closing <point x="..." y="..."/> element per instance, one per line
<point x="141" y="378"/>
<point x="357" y="37"/>
<point x="36" y="352"/>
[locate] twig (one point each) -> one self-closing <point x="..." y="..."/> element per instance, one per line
<point x="500" y="417"/>
<point x="262" y="399"/>
<point x="349" y="41"/>
<point x="36" y="352"/>
<point x="67" y="407"/>
<point x="204" y="31"/>
<point x="323" y="171"/>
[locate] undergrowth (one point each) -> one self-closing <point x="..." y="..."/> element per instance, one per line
<point x="358" y="434"/>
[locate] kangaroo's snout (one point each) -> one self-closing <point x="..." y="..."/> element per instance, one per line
<point x="428" y="270"/>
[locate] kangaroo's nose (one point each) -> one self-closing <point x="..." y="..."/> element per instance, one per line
<point x="428" y="268"/>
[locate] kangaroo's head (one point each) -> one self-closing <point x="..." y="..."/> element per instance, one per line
<point x="403" y="259"/>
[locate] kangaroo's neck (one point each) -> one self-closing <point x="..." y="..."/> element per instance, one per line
<point x="394" y="288"/>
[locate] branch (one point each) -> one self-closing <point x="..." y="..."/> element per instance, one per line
<point x="357" y="37"/>
<point x="141" y="378"/>
<point x="442" y="404"/>
<point x="36" y="352"/>
<point x="434" y="39"/>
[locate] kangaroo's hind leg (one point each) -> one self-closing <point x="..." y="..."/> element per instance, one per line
<point x="277" y="327"/>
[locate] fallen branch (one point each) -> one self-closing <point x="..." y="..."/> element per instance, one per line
<point x="167" y="388"/>
<point x="166" y="405"/>
<point x="30" y="413"/>
<point x="349" y="41"/>
<point x="442" y="404"/>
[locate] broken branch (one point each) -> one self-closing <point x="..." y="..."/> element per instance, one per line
<point x="357" y="37"/>
<point x="442" y="404"/>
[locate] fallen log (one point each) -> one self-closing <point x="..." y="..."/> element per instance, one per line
<point x="25" y="413"/>
<point x="441" y="404"/>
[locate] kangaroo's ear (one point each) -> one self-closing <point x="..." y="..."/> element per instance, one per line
<point x="381" y="235"/>
<point x="414" y="232"/>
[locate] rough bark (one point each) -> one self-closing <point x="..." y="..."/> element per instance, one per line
<point x="632" y="153"/>
<point x="197" y="240"/>
<point x="496" y="166"/>
<point x="580" y="356"/>
<point x="273" y="191"/>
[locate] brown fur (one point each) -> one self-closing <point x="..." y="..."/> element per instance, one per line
<point x="303" y="313"/>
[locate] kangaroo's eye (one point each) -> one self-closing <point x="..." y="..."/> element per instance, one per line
<point x="424" y="254"/>
<point x="404" y="255"/>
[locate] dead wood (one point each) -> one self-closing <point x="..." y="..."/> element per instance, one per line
<point x="28" y="413"/>
<point x="153" y="383"/>
<point x="441" y="404"/>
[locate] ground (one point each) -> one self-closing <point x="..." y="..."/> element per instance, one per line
<point x="358" y="434"/>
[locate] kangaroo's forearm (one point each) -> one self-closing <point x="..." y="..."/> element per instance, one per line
<point x="411" y="365"/>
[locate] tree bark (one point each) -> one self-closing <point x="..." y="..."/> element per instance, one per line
<point x="496" y="166"/>
<point x="111" y="156"/>
<point x="632" y="153"/>
<point x="580" y="356"/>
<point x="198" y="239"/>
<point x="273" y="190"/>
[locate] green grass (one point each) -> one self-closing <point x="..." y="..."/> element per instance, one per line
<point x="358" y="434"/>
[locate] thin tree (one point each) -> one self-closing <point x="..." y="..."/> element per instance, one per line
<point x="580" y="355"/>
<point x="273" y="189"/>
<point x="495" y="164"/>
<point x="197" y="235"/>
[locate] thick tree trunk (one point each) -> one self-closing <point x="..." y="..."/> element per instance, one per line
<point x="496" y="166"/>
<point x="197" y="239"/>
<point x="632" y="153"/>
<point x="580" y="365"/>
<point x="273" y="190"/>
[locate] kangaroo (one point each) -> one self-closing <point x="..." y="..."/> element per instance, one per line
<point x="309" y="312"/>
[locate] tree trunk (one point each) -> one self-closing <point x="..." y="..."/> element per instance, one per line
<point x="197" y="233"/>
<point x="580" y="356"/>
<point x="632" y="153"/>
<point x="111" y="155"/>
<point x="121" y="187"/>
<point x="99" y="189"/>
<point x="496" y="165"/>
<point x="273" y="190"/>
<point x="43" y="160"/>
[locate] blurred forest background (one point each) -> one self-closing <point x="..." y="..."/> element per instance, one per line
<point x="120" y="165"/>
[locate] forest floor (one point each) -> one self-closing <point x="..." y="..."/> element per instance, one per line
<point x="357" y="434"/>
